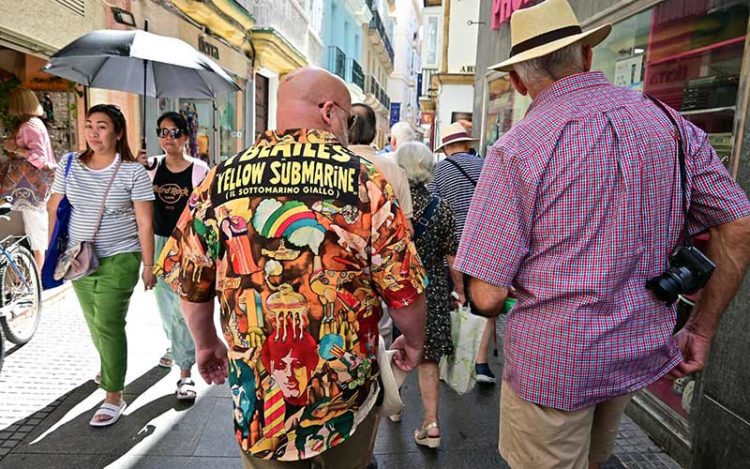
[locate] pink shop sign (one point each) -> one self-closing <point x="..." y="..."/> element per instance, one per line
<point x="503" y="9"/>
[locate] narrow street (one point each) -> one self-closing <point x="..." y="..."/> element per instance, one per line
<point x="47" y="396"/>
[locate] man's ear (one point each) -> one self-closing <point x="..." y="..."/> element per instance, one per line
<point x="588" y="58"/>
<point x="326" y="113"/>
<point x="515" y="80"/>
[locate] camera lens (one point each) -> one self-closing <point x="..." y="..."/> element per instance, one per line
<point x="667" y="287"/>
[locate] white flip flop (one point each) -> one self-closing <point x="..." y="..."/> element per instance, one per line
<point x="186" y="390"/>
<point x="109" y="410"/>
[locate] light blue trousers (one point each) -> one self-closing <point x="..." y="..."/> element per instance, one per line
<point x="183" y="346"/>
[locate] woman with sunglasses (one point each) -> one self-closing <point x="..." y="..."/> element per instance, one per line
<point x="107" y="171"/>
<point x="174" y="175"/>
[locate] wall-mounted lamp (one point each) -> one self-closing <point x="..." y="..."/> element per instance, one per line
<point x="123" y="16"/>
<point x="471" y="23"/>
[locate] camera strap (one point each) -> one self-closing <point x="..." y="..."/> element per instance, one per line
<point x="687" y="240"/>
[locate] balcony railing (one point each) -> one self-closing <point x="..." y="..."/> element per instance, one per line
<point x="356" y="75"/>
<point x="377" y="91"/>
<point x="377" y="24"/>
<point x="337" y="61"/>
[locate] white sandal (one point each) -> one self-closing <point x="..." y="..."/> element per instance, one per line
<point x="186" y="389"/>
<point x="109" y="410"/>
<point x="167" y="360"/>
<point x="422" y="436"/>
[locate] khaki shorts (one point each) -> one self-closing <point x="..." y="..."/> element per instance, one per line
<point x="537" y="437"/>
<point x="355" y="453"/>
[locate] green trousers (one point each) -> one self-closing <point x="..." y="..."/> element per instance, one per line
<point x="104" y="297"/>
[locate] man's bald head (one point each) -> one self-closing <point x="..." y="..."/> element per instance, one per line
<point x="311" y="97"/>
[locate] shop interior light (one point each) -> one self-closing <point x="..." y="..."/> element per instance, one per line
<point x="638" y="50"/>
<point x="123" y="16"/>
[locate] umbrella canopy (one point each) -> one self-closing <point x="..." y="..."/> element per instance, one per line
<point x="115" y="60"/>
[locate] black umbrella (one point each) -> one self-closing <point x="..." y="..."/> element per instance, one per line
<point x="140" y="62"/>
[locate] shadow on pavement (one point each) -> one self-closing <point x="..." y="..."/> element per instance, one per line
<point x="76" y="443"/>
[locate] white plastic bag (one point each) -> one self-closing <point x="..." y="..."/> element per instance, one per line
<point x="466" y="332"/>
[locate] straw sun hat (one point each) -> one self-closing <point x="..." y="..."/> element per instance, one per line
<point x="453" y="133"/>
<point x="545" y="28"/>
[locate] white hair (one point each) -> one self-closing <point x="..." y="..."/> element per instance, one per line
<point x="417" y="161"/>
<point x="554" y="66"/>
<point x="402" y="133"/>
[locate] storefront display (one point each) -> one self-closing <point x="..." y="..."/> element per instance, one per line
<point x="59" y="98"/>
<point x="686" y="54"/>
<point x="504" y="108"/>
<point x="230" y="125"/>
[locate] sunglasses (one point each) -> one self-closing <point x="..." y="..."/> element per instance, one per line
<point x="351" y="118"/>
<point x="174" y="133"/>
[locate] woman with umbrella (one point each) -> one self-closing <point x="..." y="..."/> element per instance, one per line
<point x="174" y="175"/>
<point x="106" y="179"/>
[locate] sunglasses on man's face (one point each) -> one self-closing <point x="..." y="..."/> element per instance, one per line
<point x="351" y="118"/>
<point x="174" y="133"/>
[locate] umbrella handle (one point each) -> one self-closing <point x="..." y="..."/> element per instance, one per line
<point x="145" y="89"/>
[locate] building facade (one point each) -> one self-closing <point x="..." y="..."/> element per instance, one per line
<point x="281" y="39"/>
<point x="402" y="85"/>
<point x="449" y="48"/>
<point x="693" y="56"/>
<point x="220" y="29"/>
<point x="378" y="56"/>
<point x="343" y="38"/>
<point x="30" y="32"/>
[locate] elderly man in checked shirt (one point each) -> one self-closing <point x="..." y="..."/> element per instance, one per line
<point x="576" y="208"/>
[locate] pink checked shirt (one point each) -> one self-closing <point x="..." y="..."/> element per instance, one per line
<point x="577" y="207"/>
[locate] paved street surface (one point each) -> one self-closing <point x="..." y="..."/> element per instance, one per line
<point x="47" y="398"/>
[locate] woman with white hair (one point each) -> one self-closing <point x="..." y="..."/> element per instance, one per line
<point x="435" y="237"/>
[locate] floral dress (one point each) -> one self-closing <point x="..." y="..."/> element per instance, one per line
<point x="437" y="241"/>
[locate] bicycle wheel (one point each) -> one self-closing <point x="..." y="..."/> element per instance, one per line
<point x="21" y="296"/>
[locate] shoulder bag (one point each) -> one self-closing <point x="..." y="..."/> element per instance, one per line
<point x="59" y="239"/>
<point x="427" y="215"/>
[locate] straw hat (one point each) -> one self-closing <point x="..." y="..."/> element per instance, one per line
<point x="454" y="133"/>
<point x="544" y="28"/>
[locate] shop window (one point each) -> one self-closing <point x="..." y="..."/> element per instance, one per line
<point x="687" y="54"/>
<point x="505" y="107"/>
<point x="229" y="124"/>
<point x="198" y="113"/>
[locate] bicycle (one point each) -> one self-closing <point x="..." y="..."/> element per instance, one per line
<point x="20" y="289"/>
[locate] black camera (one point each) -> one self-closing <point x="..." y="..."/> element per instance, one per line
<point x="689" y="270"/>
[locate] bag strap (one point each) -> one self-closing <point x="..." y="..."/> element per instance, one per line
<point x="463" y="171"/>
<point x="104" y="199"/>
<point x="681" y="161"/>
<point x="68" y="164"/>
<point x="427" y="215"/>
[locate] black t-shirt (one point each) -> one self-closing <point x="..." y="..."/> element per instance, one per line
<point x="172" y="191"/>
